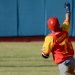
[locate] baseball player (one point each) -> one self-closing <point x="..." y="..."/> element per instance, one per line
<point x="59" y="44"/>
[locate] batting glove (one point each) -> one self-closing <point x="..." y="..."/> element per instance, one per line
<point x="67" y="6"/>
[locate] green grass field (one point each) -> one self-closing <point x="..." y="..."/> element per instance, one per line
<point x="24" y="58"/>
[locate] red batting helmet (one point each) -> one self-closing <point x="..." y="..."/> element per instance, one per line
<point x="53" y="24"/>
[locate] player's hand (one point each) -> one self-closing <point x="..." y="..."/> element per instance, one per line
<point x="67" y="7"/>
<point x="45" y="55"/>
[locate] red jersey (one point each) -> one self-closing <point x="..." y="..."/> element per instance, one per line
<point x="59" y="45"/>
<point x="62" y="47"/>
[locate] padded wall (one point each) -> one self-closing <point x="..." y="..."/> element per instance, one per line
<point x="31" y="17"/>
<point x="73" y="16"/>
<point x="8" y="18"/>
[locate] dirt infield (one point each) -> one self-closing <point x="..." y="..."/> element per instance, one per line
<point x="26" y="39"/>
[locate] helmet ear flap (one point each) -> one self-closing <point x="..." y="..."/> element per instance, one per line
<point x="53" y="23"/>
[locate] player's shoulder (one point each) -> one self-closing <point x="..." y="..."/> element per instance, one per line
<point x="63" y="31"/>
<point x="49" y="37"/>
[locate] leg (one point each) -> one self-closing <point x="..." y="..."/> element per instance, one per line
<point x="73" y="64"/>
<point x="67" y="67"/>
<point x="70" y="70"/>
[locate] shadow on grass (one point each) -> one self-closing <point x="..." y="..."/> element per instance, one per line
<point x="27" y="65"/>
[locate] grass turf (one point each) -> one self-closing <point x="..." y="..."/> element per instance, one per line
<point x="25" y="59"/>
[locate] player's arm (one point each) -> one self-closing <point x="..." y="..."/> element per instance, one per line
<point x="66" y="23"/>
<point x="47" y="47"/>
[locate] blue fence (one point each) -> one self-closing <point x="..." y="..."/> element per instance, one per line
<point x="8" y="18"/>
<point x="29" y="17"/>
